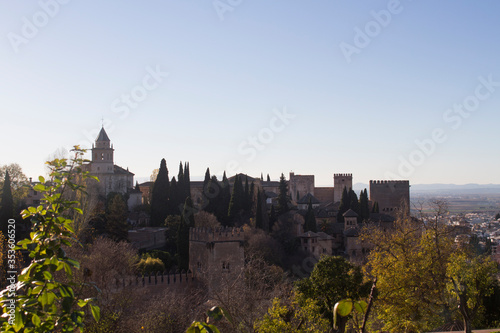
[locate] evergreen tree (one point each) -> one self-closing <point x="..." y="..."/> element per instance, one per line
<point x="116" y="219"/>
<point x="364" y="209"/>
<point x="261" y="177"/>
<point x="214" y="196"/>
<point x="283" y="196"/>
<point x="375" y="208"/>
<point x="225" y="200"/>
<point x="353" y="201"/>
<point x="206" y="190"/>
<point x="187" y="179"/>
<point x="181" y="183"/>
<point x="137" y="188"/>
<point x="19" y="183"/>
<point x="160" y="207"/>
<point x="344" y="205"/>
<point x="175" y="198"/>
<point x="268" y="178"/>
<point x="251" y="197"/>
<point x="7" y="204"/>
<point x="247" y="200"/>
<point x="272" y="218"/>
<point x="298" y="195"/>
<point x="187" y="221"/>
<point x="235" y="205"/>
<point x="310" y="219"/>
<point x="259" y="219"/>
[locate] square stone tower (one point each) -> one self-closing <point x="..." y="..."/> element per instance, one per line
<point x="216" y="256"/>
<point x="341" y="181"/>
<point x="391" y="195"/>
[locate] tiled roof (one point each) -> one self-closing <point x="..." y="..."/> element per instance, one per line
<point x="350" y="213"/>
<point x="305" y="199"/>
<point x="120" y="170"/>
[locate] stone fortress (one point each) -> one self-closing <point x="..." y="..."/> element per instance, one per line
<point x="389" y="194"/>
<point x="217" y="254"/>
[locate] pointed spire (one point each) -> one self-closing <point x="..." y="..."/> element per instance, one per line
<point x="102" y="136"/>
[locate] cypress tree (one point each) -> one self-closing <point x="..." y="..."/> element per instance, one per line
<point x="225" y="200"/>
<point x="259" y="219"/>
<point x="235" y="205"/>
<point x="175" y="198"/>
<point x="363" y="205"/>
<point x="187" y="221"/>
<point x="251" y="196"/>
<point x="310" y="219"/>
<point x="247" y="200"/>
<point x="261" y="177"/>
<point x="181" y="184"/>
<point x="283" y="196"/>
<point x="354" y="202"/>
<point x="375" y="209"/>
<point x="205" y="193"/>
<point x="187" y="179"/>
<point x="7" y="204"/>
<point x="160" y="207"/>
<point x="213" y="193"/>
<point x="268" y="178"/>
<point x="272" y="218"/>
<point x="298" y="195"/>
<point x="344" y="205"/>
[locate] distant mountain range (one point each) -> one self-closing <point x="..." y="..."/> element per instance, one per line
<point x="444" y="188"/>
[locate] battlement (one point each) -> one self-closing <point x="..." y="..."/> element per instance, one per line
<point x="223" y="234"/>
<point x="404" y="182"/>
<point x="342" y="175"/>
<point x="165" y="279"/>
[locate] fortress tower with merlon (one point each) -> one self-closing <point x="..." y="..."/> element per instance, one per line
<point x="216" y="256"/>
<point x="391" y="195"/>
<point x="300" y="185"/>
<point x="341" y="181"/>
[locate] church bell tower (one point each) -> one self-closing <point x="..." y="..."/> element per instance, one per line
<point x="102" y="154"/>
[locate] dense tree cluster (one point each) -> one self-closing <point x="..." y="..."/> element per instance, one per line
<point x="349" y="200"/>
<point x="168" y="197"/>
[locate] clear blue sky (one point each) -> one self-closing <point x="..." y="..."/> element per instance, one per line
<point x="359" y="100"/>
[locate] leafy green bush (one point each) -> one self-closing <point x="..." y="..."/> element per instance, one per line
<point x="43" y="301"/>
